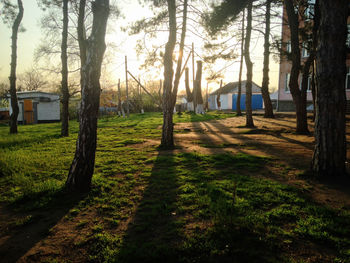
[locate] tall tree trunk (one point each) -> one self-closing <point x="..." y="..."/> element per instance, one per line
<point x="64" y="72"/>
<point x="330" y="141"/>
<point x="239" y="92"/>
<point x="81" y="34"/>
<point x="218" y="101"/>
<point x="265" y="82"/>
<point x="315" y="28"/>
<point x="181" y="51"/>
<point x="82" y="168"/>
<point x="189" y="94"/>
<point x="167" y="129"/>
<point x="300" y="103"/>
<point x="198" y="89"/>
<point x="12" y="78"/>
<point x="249" y="64"/>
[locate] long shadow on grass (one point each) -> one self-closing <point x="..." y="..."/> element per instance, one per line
<point x="186" y="214"/>
<point x="20" y="238"/>
<point x="153" y="233"/>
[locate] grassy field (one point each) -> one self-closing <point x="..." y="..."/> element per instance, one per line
<point x="148" y="205"/>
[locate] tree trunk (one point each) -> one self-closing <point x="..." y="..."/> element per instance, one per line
<point x="265" y="83"/>
<point x="82" y="168"/>
<point x="167" y="129"/>
<point x="330" y="141"/>
<point x="198" y="89"/>
<point x="239" y="92"/>
<point x="189" y="94"/>
<point x="218" y="101"/>
<point x="249" y="64"/>
<point x="300" y="103"/>
<point x="64" y="72"/>
<point x="81" y="34"/>
<point x="12" y="78"/>
<point x="181" y="50"/>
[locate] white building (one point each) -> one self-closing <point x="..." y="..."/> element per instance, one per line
<point x="37" y="107"/>
<point x="228" y="97"/>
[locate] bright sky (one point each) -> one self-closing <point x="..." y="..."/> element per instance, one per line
<point x="30" y="39"/>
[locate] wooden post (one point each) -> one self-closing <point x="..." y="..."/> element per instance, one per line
<point x="119" y="99"/>
<point x="126" y="87"/>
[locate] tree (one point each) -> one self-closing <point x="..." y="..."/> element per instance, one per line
<point x="299" y="97"/>
<point x="170" y="90"/>
<point x="330" y="143"/>
<point x="9" y="17"/>
<point x="189" y="93"/>
<point x="64" y="82"/>
<point x="32" y="79"/>
<point x="198" y="89"/>
<point x="265" y="82"/>
<point x="239" y="91"/>
<point x="249" y="64"/>
<point x="82" y="167"/>
<point x="167" y="129"/>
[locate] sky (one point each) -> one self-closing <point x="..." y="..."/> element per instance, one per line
<point x="30" y="39"/>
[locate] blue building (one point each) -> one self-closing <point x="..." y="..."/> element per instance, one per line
<point x="228" y="97"/>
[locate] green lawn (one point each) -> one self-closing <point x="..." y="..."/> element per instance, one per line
<point x="148" y="205"/>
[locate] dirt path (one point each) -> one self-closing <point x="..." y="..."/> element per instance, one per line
<point x="273" y="138"/>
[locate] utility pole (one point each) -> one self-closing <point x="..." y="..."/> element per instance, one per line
<point x="126" y="87"/>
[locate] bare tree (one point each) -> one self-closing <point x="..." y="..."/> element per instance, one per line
<point x="10" y="17"/>
<point x="82" y="168"/>
<point x="170" y="89"/>
<point x="265" y="82"/>
<point x="64" y="72"/>
<point x="249" y="64"/>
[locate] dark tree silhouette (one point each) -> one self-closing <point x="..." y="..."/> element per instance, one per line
<point x="249" y="64"/>
<point x="330" y="149"/>
<point x="82" y="168"/>
<point x="265" y="82"/>
<point x="10" y="18"/>
<point x="64" y="72"/>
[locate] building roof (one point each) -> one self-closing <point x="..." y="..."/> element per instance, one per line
<point x="33" y="94"/>
<point x="231" y="87"/>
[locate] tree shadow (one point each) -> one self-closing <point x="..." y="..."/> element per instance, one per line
<point x="31" y="226"/>
<point x="154" y="232"/>
<point x="177" y="220"/>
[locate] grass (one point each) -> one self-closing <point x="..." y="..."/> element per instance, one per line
<point x="152" y="206"/>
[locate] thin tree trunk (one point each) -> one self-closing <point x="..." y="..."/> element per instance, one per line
<point x="300" y="104"/>
<point x="81" y="34"/>
<point x="249" y="64"/>
<point x="265" y="83"/>
<point x="167" y="129"/>
<point x="198" y="89"/>
<point x="218" y="101"/>
<point x="330" y="141"/>
<point x="12" y="78"/>
<point x="64" y="82"/>
<point x="82" y="168"/>
<point x="181" y="50"/>
<point x="313" y="92"/>
<point x="239" y="92"/>
<point x="189" y="94"/>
